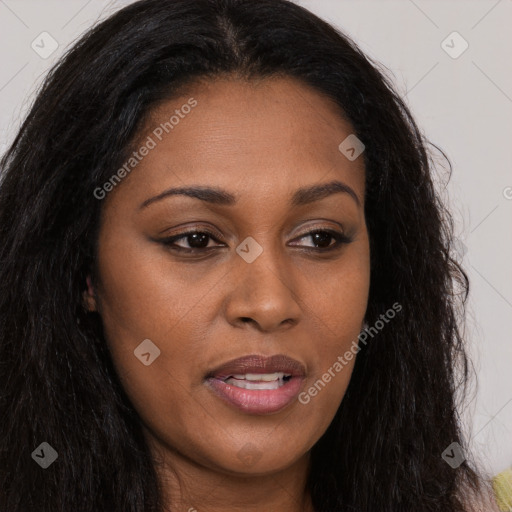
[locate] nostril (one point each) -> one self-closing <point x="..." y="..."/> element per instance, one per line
<point x="245" y="319"/>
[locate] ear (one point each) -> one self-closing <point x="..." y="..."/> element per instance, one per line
<point x="89" y="296"/>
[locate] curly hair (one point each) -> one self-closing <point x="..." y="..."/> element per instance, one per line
<point x="382" y="451"/>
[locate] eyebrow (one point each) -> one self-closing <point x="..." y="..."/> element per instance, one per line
<point x="301" y="197"/>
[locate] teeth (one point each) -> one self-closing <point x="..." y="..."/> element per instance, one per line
<point x="245" y="384"/>
<point x="257" y="380"/>
<point x="266" y="377"/>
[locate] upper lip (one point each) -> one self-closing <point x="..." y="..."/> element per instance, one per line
<point x="259" y="364"/>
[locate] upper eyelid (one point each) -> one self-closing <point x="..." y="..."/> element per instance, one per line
<point x="213" y="235"/>
<point x="339" y="227"/>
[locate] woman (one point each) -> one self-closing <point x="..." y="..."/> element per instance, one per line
<point x="226" y="277"/>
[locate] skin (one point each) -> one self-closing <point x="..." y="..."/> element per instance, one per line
<point x="260" y="141"/>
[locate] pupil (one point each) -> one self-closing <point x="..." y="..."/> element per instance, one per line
<point x="197" y="239"/>
<point x="321" y="237"/>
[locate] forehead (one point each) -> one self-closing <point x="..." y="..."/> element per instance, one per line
<point x="268" y="136"/>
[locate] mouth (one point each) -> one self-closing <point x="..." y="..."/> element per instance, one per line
<point x="257" y="384"/>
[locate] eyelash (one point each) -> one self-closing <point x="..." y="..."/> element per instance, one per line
<point x="341" y="239"/>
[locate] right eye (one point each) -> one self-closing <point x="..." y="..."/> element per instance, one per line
<point x="197" y="241"/>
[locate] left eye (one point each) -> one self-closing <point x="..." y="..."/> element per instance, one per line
<point x="323" y="238"/>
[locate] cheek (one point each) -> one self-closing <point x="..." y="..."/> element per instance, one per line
<point x="338" y="296"/>
<point x="143" y="298"/>
<point x="142" y="291"/>
<point x="336" y="348"/>
<point x="337" y="314"/>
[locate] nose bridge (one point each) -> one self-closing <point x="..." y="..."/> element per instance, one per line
<point x="265" y="263"/>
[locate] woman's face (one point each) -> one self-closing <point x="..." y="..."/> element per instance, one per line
<point x="265" y="276"/>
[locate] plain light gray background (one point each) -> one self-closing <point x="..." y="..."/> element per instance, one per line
<point x="462" y="100"/>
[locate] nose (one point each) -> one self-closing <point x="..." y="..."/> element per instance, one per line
<point x="263" y="294"/>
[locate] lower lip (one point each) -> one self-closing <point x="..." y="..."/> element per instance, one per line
<point x="257" y="401"/>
